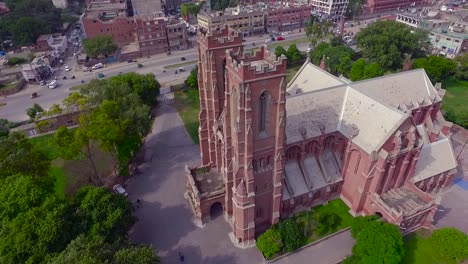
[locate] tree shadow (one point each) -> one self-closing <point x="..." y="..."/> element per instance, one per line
<point x="193" y="255"/>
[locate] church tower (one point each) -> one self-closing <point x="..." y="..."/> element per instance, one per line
<point x="211" y="81"/>
<point x="253" y="137"/>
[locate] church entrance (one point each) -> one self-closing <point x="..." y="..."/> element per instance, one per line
<point x="378" y="214"/>
<point x="216" y="210"/>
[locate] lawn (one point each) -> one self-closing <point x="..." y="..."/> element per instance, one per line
<point x="338" y="207"/>
<point x="188" y="106"/>
<point x="292" y="70"/>
<point x="47" y="145"/>
<point x="455" y="99"/>
<point x="419" y="250"/>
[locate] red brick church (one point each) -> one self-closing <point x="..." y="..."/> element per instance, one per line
<point x="270" y="148"/>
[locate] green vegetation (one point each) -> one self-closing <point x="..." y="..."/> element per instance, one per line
<point x="376" y="242"/>
<point x="177" y="65"/>
<point x="462" y="67"/>
<point x="28" y="20"/>
<point x="99" y="46"/>
<point x="47" y="145"/>
<point x="222" y="4"/>
<point x="451" y="243"/>
<point x="188" y="106"/>
<point x="304" y="228"/>
<point x="317" y="31"/>
<point x="387" y="42"/>
<point x="291" y="71"/>
<point x="422" y="248"/>
<point x="338" y="59"/>
<point x="60" y="181"/>
<point x="192" y="79"/>
<point x="190" y="9"/>
<point x="454" y="102"/>
<point x="437" y="68"/>
<point x="34" y="111"/>
<point x="362" y="71"/>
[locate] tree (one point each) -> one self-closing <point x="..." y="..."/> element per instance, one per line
<point x="99" y="46"/>
<point x="362" y="71"/>
<point x="336" y="41"/>
<point x="279" y="50"/>
<point x="360" y="223"/>
<point x="188" y="9"/>
<point x="136" y="255"/>
<point x="55" y="109"/>
<point x="316" y="31"/>
<point x="269" y="243"/>
<point x="34" y="111"/>
<point x="192" y="79"/>
<point x="19" y="156"/>
<point x="25" y="30"/>
<point x="327" y="222"/>
<point x="386" y="42"/>
<point x="293" y="54"/>
<point x="462" y="68"/>
<point x="451" y="243"/>
<point x="78" y="142"/>
<point x="338" y="58"/>
<point x="373" y="70"/>
<point x="378" y="243"/>
<point x="103" y="213"/>
<point x="290" y="235"/>
<point x="437" y="68"/>
<point x="354" y="7"/>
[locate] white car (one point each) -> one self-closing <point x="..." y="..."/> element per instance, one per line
<point x="67" y="68"/>
<point x="268" y="41"/>
<point x="118" y="189"/>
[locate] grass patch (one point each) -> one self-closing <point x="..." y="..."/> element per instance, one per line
<point x="420" y="250"/>
<point x="454" y="102"/>
<point x="47" y="144"/>
<point x="177" y="65"/>
<point x="8" y="86"/>
<point x="60" y="181"/>
<point x="77" y="88"/>
<point x="188" y="106"/>
<point x="341" y="209"/>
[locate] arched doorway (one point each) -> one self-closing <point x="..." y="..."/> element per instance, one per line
<point x="216" y="210"/>
<point x="378" y="214"/>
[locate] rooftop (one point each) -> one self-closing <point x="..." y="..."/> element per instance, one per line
<point x="435" y="158"/>
<point x="403" y="200"/>
<point x="207" y="180"/>
<point x="146" y="7"/>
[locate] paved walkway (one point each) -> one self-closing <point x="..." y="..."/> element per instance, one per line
<point x="165" y="218"/>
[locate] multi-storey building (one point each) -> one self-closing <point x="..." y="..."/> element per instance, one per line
<point x="329" y="9"/>
<point x="270" y="149"/>
<point x="246" y="19"/>
<point x="377" y="6"/>
<point x="109" y="18"/>
<point x="281" y="17"/>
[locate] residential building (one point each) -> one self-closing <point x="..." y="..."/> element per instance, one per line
<point x="329" y="9"/>
<point x="246" y="19"/>
<point x="55" y="43"/>
<point x="286" y="17"/>
<point x="147" y="7"/>
<point x="377" y="6"/>
<point x="37" y="70"/>
<point x="270" y="149"/>
<point x="109" y="18"/>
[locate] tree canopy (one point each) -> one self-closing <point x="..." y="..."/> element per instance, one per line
<point x="338" y="58"/>
<point x="376" y="242"/>
<point x="316" y="31"/>
<point x="192" y="79"/>
<point x="219" y="5"/>
<point x="451" y="243"/>
<point x="28" y="19"/>
<point x="362" y="70"/>
<point x="99" y="46"/>
<point x="386" y="42"/>
<point x="437" y="68"/>
<point x="462" y="67"/>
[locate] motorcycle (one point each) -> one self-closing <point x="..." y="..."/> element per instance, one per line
<point x="73" y="77"/>
<point x="64" y="77"/>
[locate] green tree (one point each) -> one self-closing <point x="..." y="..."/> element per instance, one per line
<point x="136" y="255"/>
<point x="437" y="68"/>
<point x="309" y="221"/>
<point x="338" y="58"/>
<point x="386" y="42"/>
<point x="99" y="46"/>
<point x="354" y="8"/>
<point x="103" y="213"/>
<point x="293" y="54"/>
<point x="336" y="41"/>
<point x="462" y="67"/>
<point x="78" y="143"/>
<point x="192" y="79"/>
<point x="317" y="54"/>
<point x="316" y="31"/>
<point x="279" y="50"/>
<point x="373" y="70"/>
<point x="34" y="111"/>
<point x="19" y="156"/>
<point x="55" y="109"/>
<point x="269" y="243"/>
<point x="451" y="243"/>
<point x="290" y="235"/>
<point x="360" y="223"/>
<point x="378" y="243"/>
<point x="328" y="221"/>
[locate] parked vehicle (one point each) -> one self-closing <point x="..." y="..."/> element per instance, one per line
<point x="67" y="68"/>
<point x="34" y="95"/>
<point x="42" y="83"/>
<point x="140" y="65"/>
<point x="118" y="189"/>
<point x="100" y="75"/>
<point x="64" y="78"/>
<point x="268" y="41"/>
<point x="183" y="59"/>
<point x="98" y="66"/>
<point x="181" y="69"/>
<point x="73" y="77"/>
<point x="280" y="38"/>
<point x="53" y="84"/>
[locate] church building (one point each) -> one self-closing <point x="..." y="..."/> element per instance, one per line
<point x="270" y="149"/>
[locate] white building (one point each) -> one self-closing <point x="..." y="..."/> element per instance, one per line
<point x="330" y="9"/>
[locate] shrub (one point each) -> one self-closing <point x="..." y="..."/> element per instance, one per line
<point x="451" y="243"/>
<point x="291" y="235"/>
<point x="327" y="221"/>
<point x="269" y="243"/>
<point x="15" y="60"/>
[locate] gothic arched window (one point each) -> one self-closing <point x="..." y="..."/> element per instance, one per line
<point x="262" y="111"/>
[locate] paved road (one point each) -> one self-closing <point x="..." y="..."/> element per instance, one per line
<point x="16" y="104"/>
<point x="165" y="217"/>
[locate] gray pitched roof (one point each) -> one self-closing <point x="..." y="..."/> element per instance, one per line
<point x="434" y="159"/>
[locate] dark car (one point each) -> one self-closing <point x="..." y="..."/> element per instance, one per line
<point x="183" y="58"/>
